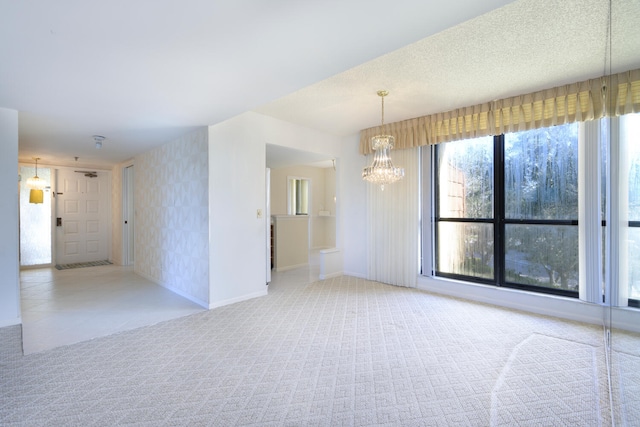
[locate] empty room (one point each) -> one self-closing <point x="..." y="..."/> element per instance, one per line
<point x="354" y="213"/>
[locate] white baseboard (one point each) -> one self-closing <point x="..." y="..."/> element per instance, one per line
<point x="330" y="275"/>
<point x="174" y="290"/>
<point x="291" y="267"/>
<point x="352" y="274"/>
<point x="241" y="298"/>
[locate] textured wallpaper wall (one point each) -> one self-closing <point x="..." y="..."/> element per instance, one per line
<point x="172" y="216"/>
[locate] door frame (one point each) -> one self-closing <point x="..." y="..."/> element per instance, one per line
<point x="54" y="207"/>
<point x="128" y="214"/>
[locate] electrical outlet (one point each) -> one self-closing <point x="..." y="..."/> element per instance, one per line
<point x="259" y="213"/>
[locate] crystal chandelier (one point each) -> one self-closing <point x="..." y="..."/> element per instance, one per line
<point x="382" y="171"/>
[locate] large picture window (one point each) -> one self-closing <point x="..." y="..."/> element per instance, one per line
<point x="507" y="210"/>
<point x="630" y="209"/>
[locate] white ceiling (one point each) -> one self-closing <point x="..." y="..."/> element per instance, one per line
<point x="144" y="72"/>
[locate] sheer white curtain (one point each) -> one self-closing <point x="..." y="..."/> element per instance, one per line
<point x="393" y="224"/>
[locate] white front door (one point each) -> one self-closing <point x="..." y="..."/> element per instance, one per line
<point x="82" y="217"/>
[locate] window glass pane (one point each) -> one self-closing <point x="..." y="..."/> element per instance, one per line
<point x="541" y="173"/>
<point x="298" y="203"/>
<point x="631" y="133"/>
<point x="465" y="178"/>
<point x="465" y="248"/>
<point x="630" y="178"/>
<point x="542" y="255"/>
<point x="604" y="159"/>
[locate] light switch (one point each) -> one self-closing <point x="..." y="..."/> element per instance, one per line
<point x="259" y="213"/>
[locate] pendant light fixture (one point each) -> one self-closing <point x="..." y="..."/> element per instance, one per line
<point x="37" y="185"/>
<point x="36" y="182"/>
<point x="382" y="171"/>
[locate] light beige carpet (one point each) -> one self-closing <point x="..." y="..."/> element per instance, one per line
<point x="550" y="381"/>
<point x="343" y="351"/>
<point x="625" y="374"/>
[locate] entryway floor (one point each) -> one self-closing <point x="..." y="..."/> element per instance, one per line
<point x="61" y="307"/>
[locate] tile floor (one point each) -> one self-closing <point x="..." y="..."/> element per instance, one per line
<point x="62" y="307"/>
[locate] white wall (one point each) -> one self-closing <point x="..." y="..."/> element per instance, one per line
<point x="172" y="216"/>
<point x="9" y="264"/>
<point x="352" y="203"/>
<point x="330" y="190"/>
<point x="291" y="241"/>
<point x="237" y="235"/>
<point x="237" y="158"/>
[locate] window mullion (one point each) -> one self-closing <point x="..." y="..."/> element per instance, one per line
<point x="589" y="213"/>
<point x="617" y="192"/>
<point x="498" y="209"/>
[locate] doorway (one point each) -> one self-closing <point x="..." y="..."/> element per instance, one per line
<point x="83" y="211"/>
<point x="35" y="221"/>
<point x="316" y="193"/>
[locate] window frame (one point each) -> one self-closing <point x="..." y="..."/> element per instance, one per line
<point x="499" y="222"/>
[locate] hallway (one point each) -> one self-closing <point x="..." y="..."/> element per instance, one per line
<point x="62" y="307"/>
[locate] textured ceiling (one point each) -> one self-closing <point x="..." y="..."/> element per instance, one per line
<point x="520" y="48"/>
<point x="143" y="73"/>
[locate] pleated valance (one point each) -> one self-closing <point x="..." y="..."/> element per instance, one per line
<point x="570" y="103"/>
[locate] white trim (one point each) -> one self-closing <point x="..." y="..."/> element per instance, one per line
<point x="127" y="210"/>
<point x="268" y="224"/>
<point x="238" y="299"/>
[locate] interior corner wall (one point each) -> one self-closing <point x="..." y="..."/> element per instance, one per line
<point x="172" y="218"/>
<point x="237" y="156"/>
<point x="237" y="238"/>
<point x="9" y="262"/>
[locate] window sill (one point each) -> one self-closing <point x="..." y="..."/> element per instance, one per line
<point x="626" y="318"/>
